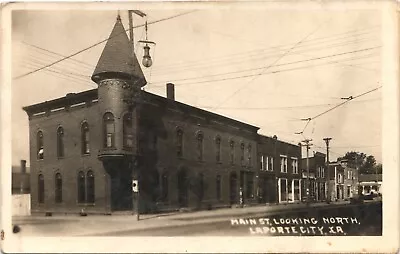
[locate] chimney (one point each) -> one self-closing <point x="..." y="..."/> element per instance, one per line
<point x="23" y="166"/>
<point x="170" y="91"/>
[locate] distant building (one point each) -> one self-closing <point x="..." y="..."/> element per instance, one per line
<point x="350" y="180"/>
<point x="370" y="183"/>
<point x="317" y="176"/>
<point x="279" y="177"/>
<point x="86" y="148"/>
<point x="20" y="183"/>
<point x="343" y="180"/>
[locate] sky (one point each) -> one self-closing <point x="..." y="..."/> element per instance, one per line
<point x="266" y="67"/>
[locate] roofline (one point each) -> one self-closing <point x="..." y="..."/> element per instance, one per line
<point x="67" y="100"/>
<point x="88" y="95"/>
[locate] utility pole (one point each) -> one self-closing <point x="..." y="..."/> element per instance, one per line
<point x="135" y="103"/>
<point x="328" y="198"/>
<point x="307" y="143"/>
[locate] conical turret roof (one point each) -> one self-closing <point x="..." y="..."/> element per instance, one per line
<point x="116" y="60"/>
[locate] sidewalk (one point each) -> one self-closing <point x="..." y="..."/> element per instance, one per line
<point x="73" y="225"/>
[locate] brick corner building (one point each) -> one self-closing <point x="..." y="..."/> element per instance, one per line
<point x="85" y="149"/>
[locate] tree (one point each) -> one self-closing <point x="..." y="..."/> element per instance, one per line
<point x="365" y="163"/>
<point x="355" y="159"/>
<point x="378" y="168"/>
<point x="369" y="165"/>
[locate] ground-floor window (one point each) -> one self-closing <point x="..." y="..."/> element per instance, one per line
<point x="290" y="190"/>
<point x="86" y="187"/>
<point x="164" y="187"/>
<point x="282" y="185"/>
<point x="218" y="187"/>
<point x="296" y="190"/>
<point x="250" y="185"/>
<point x="58" y="188"/>
<point x="81" y="187"/>
<point x="90" y="187"/>
<point x="41" y="189"/>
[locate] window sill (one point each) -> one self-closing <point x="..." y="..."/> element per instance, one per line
<point x="85" y="154"/>
<point x="86" y="204"/>
<point x="109" y="148"/>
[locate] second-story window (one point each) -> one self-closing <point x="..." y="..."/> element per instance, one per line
<point x="270" y="163"/>
<point x="249" y="155"/>
<point x="322" y="172"/>
<point x="179" y="143"/>
<point x="283" y="164"/>
<point x="39" y="145"/>
<point x="218" y="149"/>
<point x="242" y="153"/>
<point x="60" y="142"/>
<point x="109" y="130"/>
<point x="85" y="138"/>
<point x="232" y="151"/>
<point x="200" y="138"/>
<point x="295" y="166"/>
<point x="262" y="163"/>
<point x="127" y="130"/>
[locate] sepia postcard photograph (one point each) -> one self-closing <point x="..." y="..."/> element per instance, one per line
<point x="200" y="127"/>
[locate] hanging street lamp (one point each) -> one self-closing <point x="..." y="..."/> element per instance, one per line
<point x="147" y="61"/>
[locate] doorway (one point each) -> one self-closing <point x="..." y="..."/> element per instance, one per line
<point x="233" y="188"/>
<point x="182" y="189"/>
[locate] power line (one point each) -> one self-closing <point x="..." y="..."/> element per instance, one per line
<point x="277" y="65"/>
<point x="96" y="44"/>
<point x="267" y="67"/>
<point x="63" y="76"/>
<point x="346" y="101"/>
<point x="58" y="54"/>
<point x="261" y="74"/>
<point x="350" y="98"/>
<point x="249" y="57"/>
<point x="63" y="69"/>
<point x="287" y="107"/>
<point x="282" y="47"/>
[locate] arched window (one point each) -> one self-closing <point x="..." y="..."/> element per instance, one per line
<point x="232" y="151"/>
<point x="179" y="142"/>
<point x="200" y="138"/>
<point x="58" y="188"/>
<point x="90" y="187"/>
<point x="109" y="130"/>
<point x="164" y="186"/>
<point x="218" y="187"/>
<point x="242" y="153"/>
<point x="40" y="189"/>
<point x="85" y="138"/>
<point x="128" y="130"/>
<point x="60" y="142"/>
<point x="39" y="145"/>
<point x="218" y="148"/>
<point x="249" y="154"/>
<point x="81" y="187"/>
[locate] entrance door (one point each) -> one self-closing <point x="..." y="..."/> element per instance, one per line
<point x="233" y="188"/>
<point x="182" y="188"/>
<point x="121" y="193"/>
